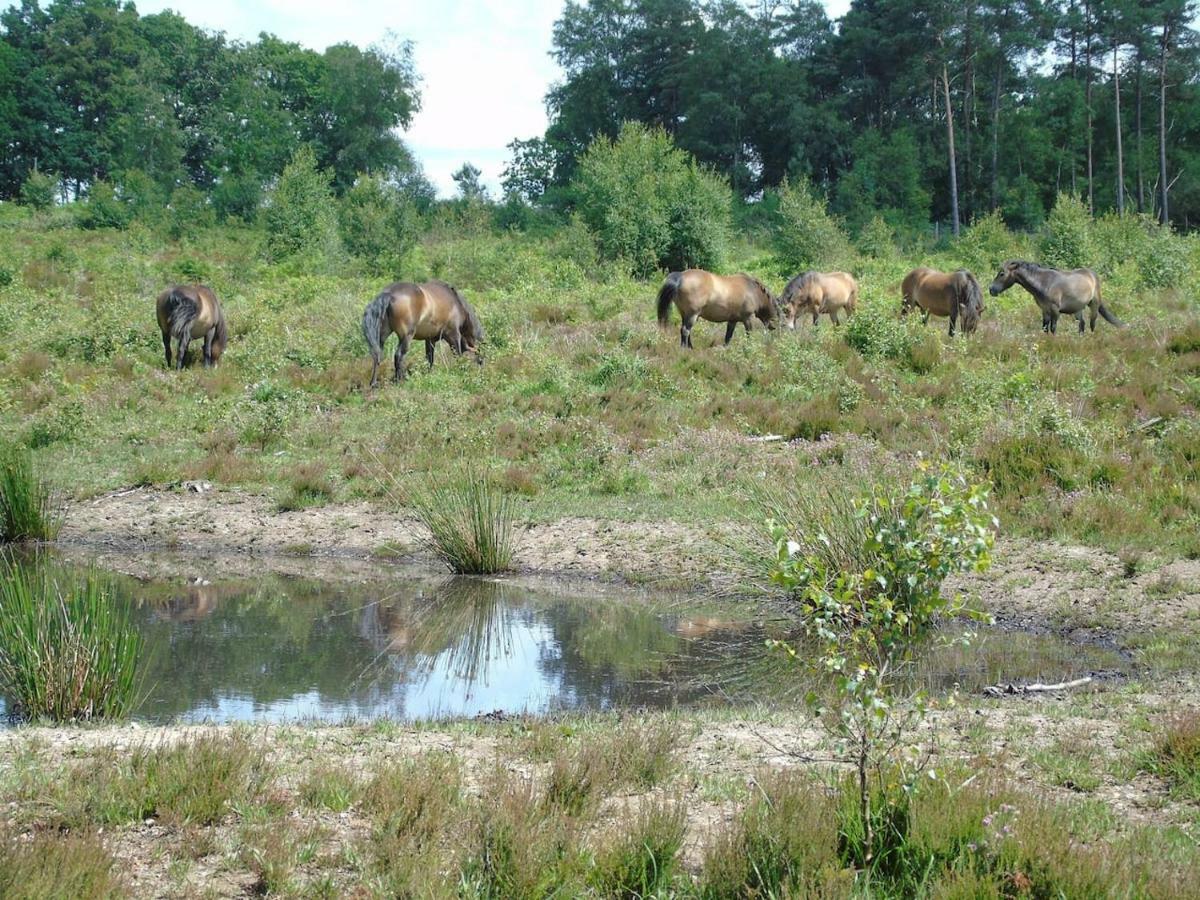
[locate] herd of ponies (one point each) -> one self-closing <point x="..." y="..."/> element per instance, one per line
<point x="434" y="311"/>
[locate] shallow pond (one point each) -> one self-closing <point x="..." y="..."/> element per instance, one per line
<point x="411" y="645"/>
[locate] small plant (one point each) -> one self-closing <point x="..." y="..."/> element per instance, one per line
<point x="68" y="651"/>
<point x="308" y="485"/>
<point x="641" y="862"/>
<point x="58" y="867"/>
<point x="39" y="190"/>
<point x="1175" y="754"/>
<point x="470" y="525"/>
<point x="27" y="502"/>
<point x="870" y="622"/>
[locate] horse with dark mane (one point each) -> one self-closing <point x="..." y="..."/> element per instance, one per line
<point x="819" y="293"/>
<point x="731" y="299"/>
<point x="954" y="294"/>
<point x="431" y="311"/>
<point x="1056" y="291"/>
<point x="189" y="311"/>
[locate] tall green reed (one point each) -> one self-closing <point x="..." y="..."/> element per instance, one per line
<point x="27" y="509"/>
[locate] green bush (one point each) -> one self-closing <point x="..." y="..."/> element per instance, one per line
<point x="1066" y="239"/>
<point x="1166" y="262"/>
<point x="650" y="205"/>
<point x="807" y="236"/>
<point x="377" y="223"/>
<point x="987" y="243"/>
<point x="877" y="239"/>
<point x="27" y="510"/>
<point x="876" y="333"/>
<point x="68" y="651"/>
<point x="104" y="208"/>
<point x="299" y="217"/>
<point x="39" y="191"/>
<point x="188" y="212"/>
<point x="237" y="197"/>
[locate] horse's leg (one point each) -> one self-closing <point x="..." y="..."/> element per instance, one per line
<point x="398" y="359"/>
<point x="167" y="346"/>
<point x="730" y="327"/>
<point x="924" y="317"/>
<point x="181" y="351"/>
<point x="1054" y="321"/>
<point x="1079" y="318"/>
<point x="1094" y="308"/>
<point x="953" y="318"/>
<point x="833" y="315"/>
<point x="685" y="332"/>
<point x="208" y="342"/>
<point x="429" y="345"/>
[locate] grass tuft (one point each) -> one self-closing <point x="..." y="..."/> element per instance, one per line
<point x="27" y="504"/>
<point x="470" y="525"/>
<point x="57" y="867"/>
<point x="67" y="651"/>
<point x="642" y="860"/>
<point x="1175" y="754"/>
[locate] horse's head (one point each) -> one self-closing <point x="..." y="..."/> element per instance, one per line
<point x="1005" y="278"/>
<point x="471" y="329"/>
<point x="793" y="299"/>
<point x="220" y="337"/>
<point x="970" y="304"/>
<point x="768" y="307"/>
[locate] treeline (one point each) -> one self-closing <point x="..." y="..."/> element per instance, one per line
<point x="95" y="97"/>
<point x="921" y="110"/>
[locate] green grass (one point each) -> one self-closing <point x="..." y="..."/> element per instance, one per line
<point x="68" y="650"/>
<point x="470" y="522"/>
<point x="1175" y="754"/>
<point x="58" y="867"/>
<point x="27" y="504"/>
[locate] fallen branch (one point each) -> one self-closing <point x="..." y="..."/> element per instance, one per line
<point x="1005" y="690"/>
<point x="764" y="438"/>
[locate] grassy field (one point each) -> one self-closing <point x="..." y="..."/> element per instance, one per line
<point x="584" y="405"/>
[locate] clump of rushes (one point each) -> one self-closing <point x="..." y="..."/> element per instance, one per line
<point x="27" y="510"/>
<point x="470" y="525"/>
<point x="1175" y="754"/>
<point x="68" y="651"/>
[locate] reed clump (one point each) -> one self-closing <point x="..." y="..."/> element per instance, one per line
<point x="68" y="650"/>
<point x="27" y="502"/>
<point x="470" y="525"/>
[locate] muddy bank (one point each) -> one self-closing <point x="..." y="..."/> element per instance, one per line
<point x="1043" y="585"/>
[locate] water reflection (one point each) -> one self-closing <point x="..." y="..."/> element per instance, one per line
<point x="416" y="646"/>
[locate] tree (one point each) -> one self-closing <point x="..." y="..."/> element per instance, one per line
<point x="377" y="222"/>
<point x="529" y="173"/>
<point x="299" y="215"/>
<point x="470" y="188"/>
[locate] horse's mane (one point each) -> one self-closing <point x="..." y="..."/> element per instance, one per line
<point x="803" y="280"/>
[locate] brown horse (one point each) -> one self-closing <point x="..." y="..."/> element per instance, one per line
<point x="1056" y="292"/>
<point x="717" y="298"/>
<point x="189" y="311"/>
<point x="431" y="311"/>
<point x="817" y="293"/>
<point x="955" y="294"/>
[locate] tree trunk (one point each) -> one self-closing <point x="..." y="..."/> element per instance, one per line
<point x="995" y="189"/>
<point x="1120" y="151"/>
<point x="968" y="122"/>
<point x="1137" y="115"/>
<point x="1164" y="211"/>
<point x="1087" y="100"/>
<point x="950" y="140"/>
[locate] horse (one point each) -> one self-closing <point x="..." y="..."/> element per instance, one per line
<point x="955" y="294"/>
<point x="431" y="311"/>
<point x="189" y="311"/>
<point x="817" y="293"/>
<point x="717" y="298"/>
<point x="1056" y="292"/>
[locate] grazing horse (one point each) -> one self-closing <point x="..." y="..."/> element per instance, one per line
<point x="817" y="293"/>
<point x="955" y="294"/>
<point x="189" y="311"/>
<point x="717" y="298"/>
<point x="1056" y="292"/>
<point x="431" y="311"/>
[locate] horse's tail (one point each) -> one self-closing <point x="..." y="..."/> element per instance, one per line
<point x="374" y="321"/>
<point x="969" y="297"/>
<point x="666" y="296"/>
<point x="1103" y="310"/>
<point x="182" y="310"/>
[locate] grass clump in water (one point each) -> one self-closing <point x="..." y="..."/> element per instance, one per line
<point x="68" y="651"/>
<point x="470" y="525"/>
<point x="27" y="510"/>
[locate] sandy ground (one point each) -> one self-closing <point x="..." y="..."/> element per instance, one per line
<point x="1030" y="585"/>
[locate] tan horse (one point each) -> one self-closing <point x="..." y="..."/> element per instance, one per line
<point x="819" y="293"/>
<point x="431" y="311"/>
<point x="1056" y="292"/>
<point x="955" y="294"/>
<point x="189" y="311"/>
<point x="718" y="298"/>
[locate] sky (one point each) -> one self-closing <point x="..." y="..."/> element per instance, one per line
<point x="485" y="65"/>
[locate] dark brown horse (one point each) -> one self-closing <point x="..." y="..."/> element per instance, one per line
<point x="1056" y="292"/>
<point x="431" y="311"/>
<point x="718" y="298"/>
<point x="189" y="311"/>
<point x="955" y="294"/>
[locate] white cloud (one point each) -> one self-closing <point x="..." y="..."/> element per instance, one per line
<point x="485" y="65"/>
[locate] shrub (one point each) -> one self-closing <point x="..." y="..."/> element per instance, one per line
<point x="299" y="217"/>
<point x="68" y="650"/>
<point x="1066" y="239"/>
<point x="650" y="205"/>
<point x="987" y="243"/>
<point x="104" y="208"/>
<point x="877" y="239"/>
<point x="876" y="333"/>
<point x="470" y="524"/>
<point x="377" y="223"/>
<point x="27" y="504"/>
<point x="188" y="212"/>
<point x="39" y="191"/>
<point x="807" y="236"/>
<point x="1166" y="261"/>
